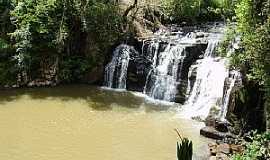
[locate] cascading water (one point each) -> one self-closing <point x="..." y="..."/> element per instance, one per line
<point x="234" y="76"/>
<point x="164" y="70"/>
<point x="207" y="90"/>
<point x="116" y="71"/>
<point x="163" y="78"/>
<point x="191" y="78"/>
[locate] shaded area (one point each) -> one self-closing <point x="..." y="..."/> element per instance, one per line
<point x="97" y="98"/>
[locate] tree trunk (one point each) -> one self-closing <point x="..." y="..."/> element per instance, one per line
<point x="267" y="104"/>
<point x="267" y="114"/>
<point x="130" y="8"/>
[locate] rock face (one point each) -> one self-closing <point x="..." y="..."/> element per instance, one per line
<point x="213" y="133"/>
<point x="193" y="54"/>
<point x="216" y="129"/>
<point x="140" y="66"/>
<point x="246" y="108"/>
<point x="47" y="75"/>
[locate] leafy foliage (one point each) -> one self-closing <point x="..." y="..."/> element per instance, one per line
<point x="258" y="149"/>
<point x="198" y="10"/>
<point x="36" y="29"/>
<point x="184" y="149"/>
<point x="104" y="23"/>
<point x="73" y="68"/>
<point x="253" y="56"/>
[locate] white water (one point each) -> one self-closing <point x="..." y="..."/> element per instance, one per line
<point x="166" y="54"/>
<point x="117" y="68"/>
<point x="192" y="69"/>
<point x="235" y="75"/>
<point x="207" y="90"/>
<point x="162" y="80"/>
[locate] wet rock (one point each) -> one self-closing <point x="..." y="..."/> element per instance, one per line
<point x="213" y="158"/>
<point x="222" y="151"/>
<point x="200" y="34"/>
<point x="248" y="109"/>
<point x="211" y="132"/>
<point x="222" y="156"/>
<point x="193" y="53"/>
<point x="236" y="148"/>
<point x="223" y="148"/>
<point x="30" y="84"/>
<point x="210" y="121"/>
<point x="15" y="86"/>
<point x="192" y="77"/>
<point x="221" y="126"/>
<point x="212" y="149"/>
<point x="41" y="83"/>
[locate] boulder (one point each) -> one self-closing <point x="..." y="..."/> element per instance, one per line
<point x="223" y="148"/>
<point x="211" y="132"/>
<point x="212" y="149"/>
<point x="201" y="34"/>
<point x="222" y="156"/>
<point x="221" y="126"/>
<point x="213" y="158"/>
<point x="236" y="148"/>
<point x="248" y="108"/>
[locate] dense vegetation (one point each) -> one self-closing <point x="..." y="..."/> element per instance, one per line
<point x="252" y="27"/>
<point x="253" y="57"/>
<point x="35" y="30"/>
<point x="253" y="19"/>
<point x="193" y="11"/>
<point x="258" y="148"/>
<point x="72" y="37"/>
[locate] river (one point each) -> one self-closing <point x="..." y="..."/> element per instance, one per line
<point x="81" y="122"/>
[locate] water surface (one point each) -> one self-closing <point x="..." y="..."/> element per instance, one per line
<point x="88" y="123"/>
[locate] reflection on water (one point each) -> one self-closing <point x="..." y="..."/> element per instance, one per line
<point x="87" y="123"/>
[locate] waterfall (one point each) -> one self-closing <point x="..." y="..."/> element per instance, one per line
<point x="207" y="90"/>
<point x="116" y="71"/>
<point x="192" y="70"/>
<point x="162" y="79"/>
<point x="234" y="76"/>
<point x="174" y="62"/>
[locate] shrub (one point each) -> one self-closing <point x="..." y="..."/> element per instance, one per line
<point x="184" y="148"/>
<point x="258" y="149"/>
<point x="198" y="10"/>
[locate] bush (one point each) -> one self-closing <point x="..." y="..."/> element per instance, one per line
<point x="184" y="148"/>
<point x="56" y="28"/>
<point x="73" y="68"/>
<point x="198" y="10"/>
<point x="104" y="23"/>
<point x="8" y="69"/>
<point x="258" y="149"/>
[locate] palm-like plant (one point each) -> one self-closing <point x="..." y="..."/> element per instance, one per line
<point x="184" y="148"/>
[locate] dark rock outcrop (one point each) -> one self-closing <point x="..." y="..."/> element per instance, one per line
<point x="140" y="65"/>
<point x="211" y="132"/>
<point x="193" y="53"/>
<point x="246" y="108"/>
